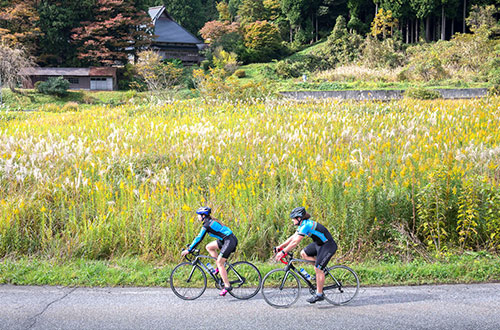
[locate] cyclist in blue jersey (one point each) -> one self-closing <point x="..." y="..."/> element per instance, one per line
<point x="226" y="242"/>
<point x="320" y="251"/>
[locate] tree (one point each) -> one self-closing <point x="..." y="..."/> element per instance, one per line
<point x="214" y="30"/>
<point x="192" y="14"/>
<point x="13" y="65"/>
<point x="482" y="19"/>
<point x="159" y="76"/>
<point x="118" y="30"/>
<point x="263" y="40"/>
<point x="57" y="19"/>
<point x="19" y="25"/>
<point x="252" y="11"/>
<point x="383" y="24"/>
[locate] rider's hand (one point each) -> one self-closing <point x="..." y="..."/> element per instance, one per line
<point x="276" y="249"/>
<point x="280" y="255"/>
<point x="184" y="253"/>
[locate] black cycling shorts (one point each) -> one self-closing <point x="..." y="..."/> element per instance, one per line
<point x="323" y="253"/>
<point x="227" y="246"/>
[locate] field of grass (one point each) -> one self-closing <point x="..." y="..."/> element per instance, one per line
<point x="465" y="268"/>
<point x="399" y="179"/>
<point x="31" y="100"/>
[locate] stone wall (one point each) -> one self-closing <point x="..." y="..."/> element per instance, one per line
<point x="382" y="94"/>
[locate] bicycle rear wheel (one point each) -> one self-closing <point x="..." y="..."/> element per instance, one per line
<point x="341" y="285"/>
<point x="280" y="288"/>
<point x="188" y="282"/>
<point x="245" y="279"/>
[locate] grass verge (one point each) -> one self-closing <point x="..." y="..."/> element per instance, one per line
<point x="466" y="268"/>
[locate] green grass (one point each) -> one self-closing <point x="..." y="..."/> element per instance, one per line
<point x="129" y="271"/>
<point x="29" y="99"/>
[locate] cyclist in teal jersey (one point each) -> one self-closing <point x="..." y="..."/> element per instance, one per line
<point x="320" y="251"/>
<point x="226" y="242"/>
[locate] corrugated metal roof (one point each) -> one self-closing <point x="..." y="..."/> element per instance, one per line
<point x="169" y="31"/>
<point x="58" y="71"/>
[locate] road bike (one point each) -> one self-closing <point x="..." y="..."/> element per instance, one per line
<point x="281" y="287"/>
<point x="188" y="279"/>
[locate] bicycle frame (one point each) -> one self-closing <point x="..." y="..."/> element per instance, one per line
<point x="196" y="261"/>
<point x="290" y="267"/>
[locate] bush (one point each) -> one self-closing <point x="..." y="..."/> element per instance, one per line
<point x="50" y="107"/>
<point x="421" y="94"/>
<point x="240" y="73"/>
<point x="70" y="107"/>
<point x="54" y="86"/>
<point x="385" y="54"/>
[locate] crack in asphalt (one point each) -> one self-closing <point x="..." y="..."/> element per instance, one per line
<point x="35" y="317"/>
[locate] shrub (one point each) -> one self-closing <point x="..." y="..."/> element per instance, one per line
<point x="386" y="53"/>
<point x="263" y="40"/>
<point x="50" y="107"/>
<point x="70" y="107"/>
<point x="240" y="73"/>
<point x="54" y="86"/>
<point x="421" y="93"/>
<point x="214" y="85"/>
<point x="341" y="46"/>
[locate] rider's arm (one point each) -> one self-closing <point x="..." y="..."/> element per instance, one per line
<point x="294" y="241"/>
<point x="197" y="239"/>
<point x="280" y="247"/>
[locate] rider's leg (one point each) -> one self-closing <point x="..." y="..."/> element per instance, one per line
<point x="212" y="249"/>
<point x="305" y="256"/>
<point x="222" y="270"/>
<point x="320" y="280"/>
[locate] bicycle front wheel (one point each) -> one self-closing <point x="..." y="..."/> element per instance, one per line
<point x="280" y="288"/>
<point x="188" y="282"/>
<point x="341" y="285"/>
<point x="245" y="279"/>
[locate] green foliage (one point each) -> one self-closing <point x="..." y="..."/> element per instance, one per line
<point x="386" y="53"/>
<point x="468" y="215"/>
<point x="54" y="86"/>
<point x="433" y="203"/>
<point x="263" y="41"/>
<point x="384" y="24"/>
<point x="240" y="73"/>
<point x="157" y="74"/>
<point x="216" y="85"/>
<point x="421" y="93"/>
<point x="70" y="107"/>
<point x="341" y="46"/>
<point x="425" y="64"/>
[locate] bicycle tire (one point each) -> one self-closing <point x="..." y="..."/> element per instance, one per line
<point x="245" y="279"/>
<point x="341" y="285"/>
<point x="188" y="282"/>
<point x="281" y="288"/>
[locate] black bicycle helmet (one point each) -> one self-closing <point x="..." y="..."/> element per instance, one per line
<point x="298" y="212"/>
<point x="204" y="210"/>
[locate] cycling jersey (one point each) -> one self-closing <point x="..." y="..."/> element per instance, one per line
<point x="315" y="230"/>
<point x="214" y="229"/>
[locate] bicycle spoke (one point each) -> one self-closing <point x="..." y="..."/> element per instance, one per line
<point x="245" y="279"/>
<point x="341" y="285"/>
<point x="280" y="288"/>
<point x="187" y="281"/>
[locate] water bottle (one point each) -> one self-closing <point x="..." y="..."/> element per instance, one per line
<point x="210" y="268"/>
<point x="305" y="273"/>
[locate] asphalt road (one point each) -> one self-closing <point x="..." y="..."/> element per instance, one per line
<point x="472" y="306"/>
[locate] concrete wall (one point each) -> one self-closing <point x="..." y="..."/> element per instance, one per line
<point x="382" y="95"/>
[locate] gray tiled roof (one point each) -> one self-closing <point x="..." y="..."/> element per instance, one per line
<point x="170" y="31"/>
